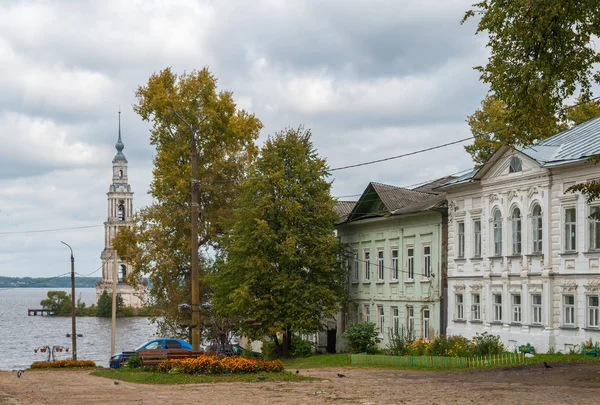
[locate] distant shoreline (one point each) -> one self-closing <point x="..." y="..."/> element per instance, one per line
<point x="45" y="282"/>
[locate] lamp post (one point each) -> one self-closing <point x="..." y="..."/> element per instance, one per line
<point x="73" y="327"/>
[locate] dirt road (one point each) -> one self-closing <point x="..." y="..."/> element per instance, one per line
<point x="530" y="384"/>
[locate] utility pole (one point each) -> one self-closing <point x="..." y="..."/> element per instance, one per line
<point x="115" y="275"/>
<point x="73" y="308"/>
<point x="195" y="270"/>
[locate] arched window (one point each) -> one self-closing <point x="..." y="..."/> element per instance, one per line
<point x="516" y="231"/>
<point x="121" y="212"/>
<point x="497" y="226"/>
<point x="515" y="165"/>
<point x="120" y="173"/>
<point x="536" y="228"/>
<point x="122" y="274"/>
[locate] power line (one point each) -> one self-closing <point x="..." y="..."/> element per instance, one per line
<point x="50" y="230"/>
<point x="36" y="282"/>
<point x="86" y="275"/>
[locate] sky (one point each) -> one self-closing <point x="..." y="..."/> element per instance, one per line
<point x="371" y="79"/>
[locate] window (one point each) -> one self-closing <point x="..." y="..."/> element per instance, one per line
<point x="172" y="344"/>
<point x="516" y="308"/>
<point x="569" y="310"/>
<point x="516" y="231"/>
<point x="153" y="345"/>
<point x="410" y="263"/>
<point x="410" y="320"/>
<point x="461" y="239"/>
<point x="594" y="225"/>
<point x="536" y="228"/>
<point x="570" y="229"/>
<point x="380" y="319"/>
<point x="122" y="276"/>
<point x="121" y="174"/>
<point x="458" y="307"/>
<point x="427" y="261"/>
<point x="380" y="265"/>
<point x="356" y="267"/>
<point x="477" y="236"/>
<point x="121" y="212"/>
<point x="367" y="313"/>
<point x="497" y="233"/>
<point x="497" y="305"/>
<point x="515" y="165"/>
<point x="475" y="307"/>
<point x="426" y="323"/>
<point x="395" y="320"/>
<point x="593" y="311"/>
<point x="394" y="264"/>
<point x="536" y="308"/>
<point x="367" y="264"/>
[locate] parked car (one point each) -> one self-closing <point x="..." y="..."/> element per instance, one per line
<point x="162" y="343"/>
<point x="229" y="350"/>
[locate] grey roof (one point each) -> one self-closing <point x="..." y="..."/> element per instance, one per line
<point x="431" y="186"/>
<point x="343" y="209"/>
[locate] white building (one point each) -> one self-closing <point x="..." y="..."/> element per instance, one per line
<point x="120" y="210"/>
<point x="524" y="256"/>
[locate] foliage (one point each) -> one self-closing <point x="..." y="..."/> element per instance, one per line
<point x="159" y="244"/>
<point x="301" y="348"/>
<point x="399" y="341"/>
<point x="362" y="337"/>
<point x="105" y="305"/>
<point x="214" y="364"/>
<point x="486" y="344"/>
<point x="58" y="302"/>
<point x="64" y="364"/>
<point x="541" y="52"/>
<point x="282" y="271"/>
<point x="134" y="361"/>
<point x="589" y="345"/>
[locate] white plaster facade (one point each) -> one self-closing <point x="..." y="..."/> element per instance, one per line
<point x="543" y="291"/>
<point x="120" y="211"/>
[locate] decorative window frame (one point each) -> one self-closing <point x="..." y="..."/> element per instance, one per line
<point x="408" y="263"/>
<point x="397" y="268"/>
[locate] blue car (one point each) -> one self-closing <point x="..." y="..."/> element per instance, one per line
<point x="162" y="343"/>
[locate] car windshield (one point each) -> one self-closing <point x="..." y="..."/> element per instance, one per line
<point x="150" y="345"/>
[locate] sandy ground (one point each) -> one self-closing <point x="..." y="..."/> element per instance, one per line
<point x="530" y="384"/>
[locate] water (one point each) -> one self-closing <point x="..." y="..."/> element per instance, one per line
<point x="20" y="334"/>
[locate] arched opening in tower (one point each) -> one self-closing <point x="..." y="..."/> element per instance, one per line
<point x="121" y="212"/>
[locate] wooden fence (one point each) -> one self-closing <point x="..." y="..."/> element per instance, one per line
<point x="436" y="361"/>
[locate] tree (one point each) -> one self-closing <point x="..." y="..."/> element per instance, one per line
<point x="542" y="52"/>
<point x="282" y="272"/>
<point x="105" y="305"/>
<point x="159" y="243"/>
<point x="59" y="302"/>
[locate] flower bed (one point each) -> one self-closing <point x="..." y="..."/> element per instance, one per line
<point x="64" y="364"/>
<point x="213" y="364"/>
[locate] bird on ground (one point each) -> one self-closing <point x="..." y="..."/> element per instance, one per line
<point x="261" y="377"/>
<point x="547" y="365"/>
<point x="80" y="335"/>
<point x="340" y="375"/>
<point x="116" y="382"/>
<point x="20" y="373"/>
<point x="68" y="335"/>
<point x="297" y="371"/>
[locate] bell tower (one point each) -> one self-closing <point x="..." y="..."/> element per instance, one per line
<point x="120" y="210"/>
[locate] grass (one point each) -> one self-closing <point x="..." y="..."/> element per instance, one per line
<point x="561" y="358"/>
<point x="318" y="361"/>
<point x="153" y="377"/>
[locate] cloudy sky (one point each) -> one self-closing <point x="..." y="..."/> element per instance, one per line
<point x="372" y="79"/>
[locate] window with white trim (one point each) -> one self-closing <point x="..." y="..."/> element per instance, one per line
<point x="367" y="264"/>
<point x="380" y="265"/>
<point x="410" y="320"/>
<point x="426" y="323"/>
<point x="497" y="307"/>
<point x="594" y="228"/>
<point x="516" y="231"/>
<point x="366" y="313"/>
<point x="536" y="309"/>
<point x="461" y="239"/>
<point x="569" y="310"/>
<point x="395" y="320"/>
<point x="380" y="319"/>
<point x="475" y="307"/>
<point x="516" y="308"/>
<point x="536" y="228"/>
<point x="427" y="261"/>
<point x="497" y="226"/>
<point x="356" y="266"/>
<point x="515" y="165"/>
<point x="593" y="311"/>
<point x="477" y="238"/>
<point x="570" y="229"/>
<point x="410" y="263"/>
<point x="459" y="312"/>
<point x="394" y="264"/>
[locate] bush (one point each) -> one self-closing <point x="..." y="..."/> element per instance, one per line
<point x="399" y="342"/>
<point x="486" y="344"/>
<point x="269" y="350"/>
<point x="64" y="364"/>
<point x="215" y="364"/>
<point x="362" y="337"/>
<point x="134" y="361"/>
<point x="301" y="348"/>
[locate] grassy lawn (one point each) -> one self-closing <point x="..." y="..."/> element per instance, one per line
<point x="320" y="360"/>
<point x="150" y="377"/>
<point x="561" y="358"/>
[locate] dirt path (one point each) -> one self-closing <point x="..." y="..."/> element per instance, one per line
<point x="531" y="384"/>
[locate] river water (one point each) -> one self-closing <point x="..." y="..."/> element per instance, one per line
<point x="20" y="334"/>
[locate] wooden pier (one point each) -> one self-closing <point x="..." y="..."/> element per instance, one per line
<point x="41" y="312"/>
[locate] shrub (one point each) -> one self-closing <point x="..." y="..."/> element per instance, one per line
<point x="269" y="350"/>
<point x="362" y="337"/>
<point x="301" y="348"/>
<point x="215" y="364"/>
<point x="64" y="364"/>
<point x="486" y="344"/>
<point x="134" y="361"/>
<point x="399" y="342"/>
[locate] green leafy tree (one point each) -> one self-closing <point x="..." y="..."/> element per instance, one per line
<point x="159" y="244"/>
<point x="105" y="305"/>
<point x="363" y="337"/>
<point x="283" y="272"/>
<point x="58" y="302"/>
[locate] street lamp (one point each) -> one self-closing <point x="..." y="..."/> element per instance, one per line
<point x="73" y="327"/>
